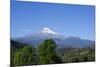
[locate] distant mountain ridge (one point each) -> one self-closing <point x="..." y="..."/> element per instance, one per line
<point x="62" y="41"/>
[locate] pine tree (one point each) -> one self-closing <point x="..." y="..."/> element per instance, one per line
<point x="25" y="56"/>
<point x="47" y="52"/>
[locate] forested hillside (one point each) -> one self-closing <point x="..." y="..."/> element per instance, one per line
<point x="48" y="53"/>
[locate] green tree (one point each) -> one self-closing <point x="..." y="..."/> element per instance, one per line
<point x="47" y="52"/>
<point x="25" y="56"/>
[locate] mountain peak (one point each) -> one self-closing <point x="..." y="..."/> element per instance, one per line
<point x="48" y="30"/>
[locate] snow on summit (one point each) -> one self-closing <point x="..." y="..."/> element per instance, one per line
<point x="48" y="30"/>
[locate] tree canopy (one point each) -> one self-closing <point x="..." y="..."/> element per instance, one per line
<point x="47" y="52"/>
<point x="25" y="56"/>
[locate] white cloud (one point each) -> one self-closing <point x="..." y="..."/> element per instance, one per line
<point x="83" y="2"/>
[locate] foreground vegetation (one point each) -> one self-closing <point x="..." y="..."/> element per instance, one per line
<point x="48" y="53"/>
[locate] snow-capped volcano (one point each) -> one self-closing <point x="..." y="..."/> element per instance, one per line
<point x="62" y="41"/>
<point x="48" y="31"/>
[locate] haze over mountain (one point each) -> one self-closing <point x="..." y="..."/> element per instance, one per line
<point x="62" y="41"/>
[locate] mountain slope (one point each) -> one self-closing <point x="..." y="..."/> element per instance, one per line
<point x="62" y="41"/>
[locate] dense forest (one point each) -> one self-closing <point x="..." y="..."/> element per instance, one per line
<point x="48" y="53"/>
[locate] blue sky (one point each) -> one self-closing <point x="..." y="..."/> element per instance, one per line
<point x="70" y="20"/>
